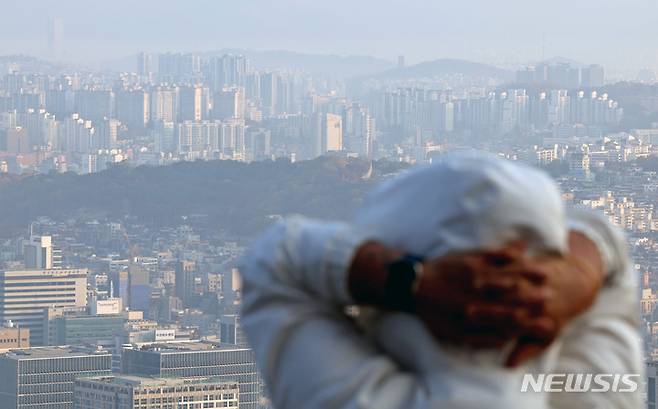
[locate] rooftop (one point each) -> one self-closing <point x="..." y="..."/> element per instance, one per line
<point x="187" y="346"/>
<point x="133" y="380"/>
<point x="52" y="352"/>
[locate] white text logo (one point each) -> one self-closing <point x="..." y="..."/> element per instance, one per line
<point x="580" y="383"/>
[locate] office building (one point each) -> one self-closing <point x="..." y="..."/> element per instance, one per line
<point x="25" y="294"/>
<point x="56" y="39"/>
<point x="40" y="253"/>
<point x="652" y="385"/>
<point x="139" y="288"/>
<point x="83" y="329"/>
<point x="134" y="392"/>
<point x="196" y="359"/>
<point x="120" y="285"/>
<point x="107" y="306"/>
<point x="13" y="337"/>
<point x="44" y="377"/>
<point x="230" y="331"/>
<point x="185" y="272"/>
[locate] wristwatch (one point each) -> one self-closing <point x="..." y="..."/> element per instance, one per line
<point x="403" y="276"/>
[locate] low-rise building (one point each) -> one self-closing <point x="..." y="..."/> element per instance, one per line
<point x="135" y="392"/>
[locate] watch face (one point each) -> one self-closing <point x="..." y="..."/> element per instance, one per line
<point x="399" y="286"/>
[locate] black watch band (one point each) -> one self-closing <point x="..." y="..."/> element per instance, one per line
<point x="402" y="275"/>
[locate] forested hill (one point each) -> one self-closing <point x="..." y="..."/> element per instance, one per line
<point x="236" y="196"/>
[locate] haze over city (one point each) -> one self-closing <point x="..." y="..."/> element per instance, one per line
<point x="195" y="195"/>
<point x="501" y="32"/>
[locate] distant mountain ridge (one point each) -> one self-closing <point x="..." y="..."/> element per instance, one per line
<point x="343" y="66"/>
<point x="446" y="66"/>
<point x="339" y="66"/>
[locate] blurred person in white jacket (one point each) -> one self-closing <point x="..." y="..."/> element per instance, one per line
<point x="474" y="275"/>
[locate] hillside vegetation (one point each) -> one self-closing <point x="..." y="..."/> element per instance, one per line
<point x="234" y="196"/>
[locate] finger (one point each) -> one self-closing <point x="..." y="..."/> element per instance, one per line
<point x="519" y="294"/>
<point x="501" y="257"/>
<point x="488" y="335"/>
<point x="512" y="251"/>
<point x="542" y="329"/>
<point x="493" y="277"/>
<point x="483" y="313"/>
<point x="523" y="353"/>
<point x="498" y="284"/>
<point x="529" y="269"/>
<point x="487" y="340"/>
<point x="456" y="330"/>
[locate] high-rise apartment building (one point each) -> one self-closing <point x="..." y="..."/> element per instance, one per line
<point x="94" y="105"/>
<point x="144" y="65"/>
<point x="226" y="71"/>
<point x="593" y="76"/>
<point x="229" y="103"/>
<point x="134" y="392"/>
<point x="108" y="133"/>
<point x="327" y="134"/>
<point x="197" y="359"/>
<point x="44" y="377"/>
<point x="25" y="294"/>
<point x="269" y="83"/>
<point x="17" y="141"/>
<point x="177" y="67"/>
<point x="164" y="104"/>
<point x="191" y="103"/>
<point x="133" y="108"/>
<point x="258" y="144"/>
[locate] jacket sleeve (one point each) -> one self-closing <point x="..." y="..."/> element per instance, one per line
<point x="308" y="351"/>
<point x="606" y="339"/>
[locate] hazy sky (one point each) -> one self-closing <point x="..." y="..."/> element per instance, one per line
<point x="618" y="33"/>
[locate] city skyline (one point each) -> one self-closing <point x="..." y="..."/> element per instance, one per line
<point x="146" y="145"/>
<point x="507" y="33"/>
